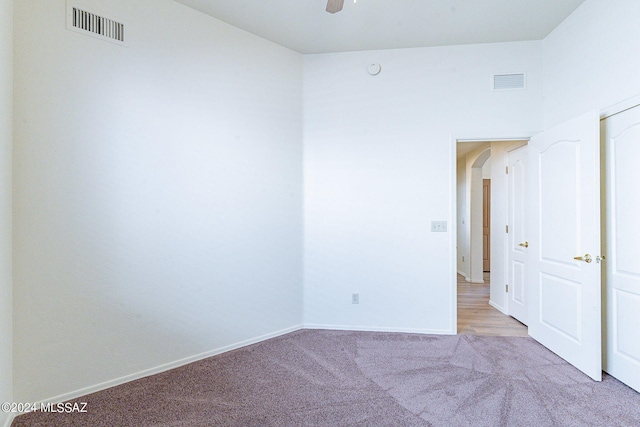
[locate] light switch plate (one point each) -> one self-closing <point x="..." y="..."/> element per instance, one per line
<point x="438" y="226"/>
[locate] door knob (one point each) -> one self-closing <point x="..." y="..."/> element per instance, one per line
<point x="524" y="245"/>
<point x="587" y="258"/>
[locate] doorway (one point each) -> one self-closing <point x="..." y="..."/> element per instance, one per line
<point x="564" y="204"/>
<point x="481" y="198"/>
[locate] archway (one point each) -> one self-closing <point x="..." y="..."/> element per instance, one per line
<point x="474" y="203"/>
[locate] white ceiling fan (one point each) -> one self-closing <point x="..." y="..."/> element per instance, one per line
<point x="334" y="6"/>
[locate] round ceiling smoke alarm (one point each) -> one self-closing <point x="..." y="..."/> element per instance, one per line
<point x="374" y="69"/>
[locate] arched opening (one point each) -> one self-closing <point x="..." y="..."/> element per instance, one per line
<point x="476" y="217"/>
<point x="472" y="156"/>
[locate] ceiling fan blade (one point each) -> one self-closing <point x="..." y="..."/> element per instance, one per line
<point x="334" y="6"/>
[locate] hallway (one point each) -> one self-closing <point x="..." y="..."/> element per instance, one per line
<point x="477" y="317"/>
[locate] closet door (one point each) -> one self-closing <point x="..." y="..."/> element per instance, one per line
<point x="621" y="136"/>
<point x="517" y="246"/>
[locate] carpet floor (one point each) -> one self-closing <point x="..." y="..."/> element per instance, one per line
<point x="338" y="378"/>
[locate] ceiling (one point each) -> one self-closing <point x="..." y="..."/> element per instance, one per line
<point x="304" y="26"/>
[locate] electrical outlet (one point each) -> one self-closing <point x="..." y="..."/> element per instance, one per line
<point x="355" y="298"/>
<point x="438" y="226"/>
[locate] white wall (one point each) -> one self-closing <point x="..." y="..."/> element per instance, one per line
<point x="6" y="66"/>
<point x="591" y="60"/>
<point x="475" y="165"/>
<point x="157" y="194"/>
<point x="486" y="169"/>
<point x="379" y="167"/>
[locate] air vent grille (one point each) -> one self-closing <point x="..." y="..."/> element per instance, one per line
<point x="95" y="25"/>
<point x="509" y="81"/>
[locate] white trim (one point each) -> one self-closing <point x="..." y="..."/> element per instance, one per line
<point x="619" y="107"/>
<point x="379" y="329"/>
<point x="453" y="239"/>
<point x="166" y="367"/>
<point x="505" y="236"/>
<point x="462" y="274"/>
<point x="497" y="307"/>
<point x="501" y="139"/>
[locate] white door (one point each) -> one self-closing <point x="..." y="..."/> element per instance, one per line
<point x="517" y="241"/>
<point x="621" y="136"/>
<point x="564" y="224"/>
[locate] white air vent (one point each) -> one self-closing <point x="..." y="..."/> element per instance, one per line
<point x="94" y="25"/>
<point x="509" y="81"/>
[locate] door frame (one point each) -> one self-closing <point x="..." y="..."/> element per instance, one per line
<point x="453" y="220"/>
<point x="605" y="112"/>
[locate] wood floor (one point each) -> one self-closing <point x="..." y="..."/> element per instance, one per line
<point x="477" y="317"/>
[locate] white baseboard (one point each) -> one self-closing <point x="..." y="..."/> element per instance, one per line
<point x="464" y="275"/>
<point x="166" y="367"/>
<point x="380" y="329"/>
<point x="497" y="307"/>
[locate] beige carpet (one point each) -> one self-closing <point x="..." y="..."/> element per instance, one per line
<point x="332" y="378"/>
